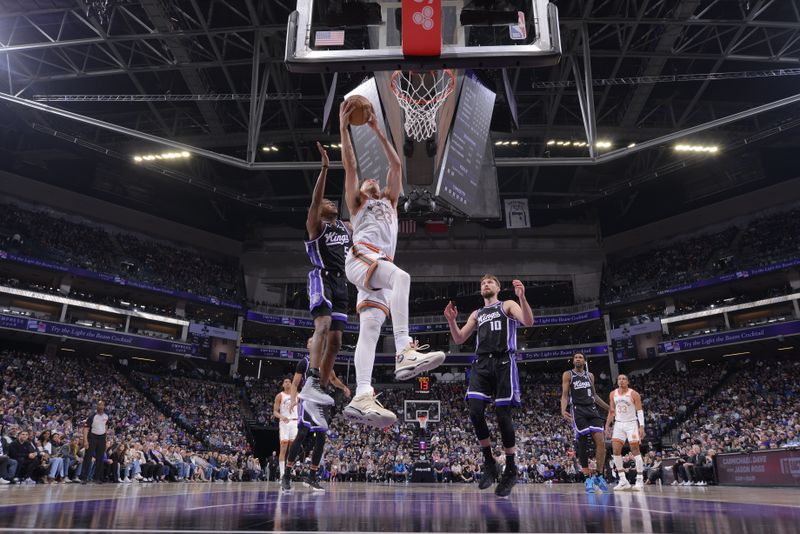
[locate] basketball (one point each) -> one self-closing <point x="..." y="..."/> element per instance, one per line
<point x="362" y="110"/>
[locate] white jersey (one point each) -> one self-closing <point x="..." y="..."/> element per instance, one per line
<point x="376" y="224"/>
<point x="286" y="402"/>
<point x="624" y="408"/>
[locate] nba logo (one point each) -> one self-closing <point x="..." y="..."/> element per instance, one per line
<point x="518" y="31"/>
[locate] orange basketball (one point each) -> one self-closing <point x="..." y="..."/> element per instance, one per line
<point x="361" y="111"/>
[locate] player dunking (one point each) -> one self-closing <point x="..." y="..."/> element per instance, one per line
<point x="307" y="423"/>
<point x="383" y="287"/>
<point x="284" y="412"/>
<point x="329" y="240"/>
<point x="494" y="373"/>
<point x="628" y="418"/>
<point x="577" y="390"/>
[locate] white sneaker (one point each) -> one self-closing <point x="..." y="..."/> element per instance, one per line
<point x="410" y="362"/>
<point x="367" y="410"/>
<point x="674" y="483"/>
<point x="126" y="480"/>
<point x="312" y="392"/>
<point x="4" y="481"/>
<point x="685" y="483"/>
<point x="138" y="476"/>
<point x="639" y="486"/>
<point x="623" y="485"/>
<point x="701" y="483"/>
<point x="29" y="481"/>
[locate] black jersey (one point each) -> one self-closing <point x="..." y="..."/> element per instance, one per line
<point x="497" y="332"/>
<point x="581" y="389"/>
<point x="329" y="250"/>
<point x="302" y="369"/>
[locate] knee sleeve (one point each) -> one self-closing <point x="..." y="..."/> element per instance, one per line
<point x="582" y="451"/>
<point x="506" y="424"/>
<point x="477" y="414"/>
<point x="319" y="447"/>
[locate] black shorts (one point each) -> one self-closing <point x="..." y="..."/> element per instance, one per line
<point x="495" y="376"/>
<point x="327" y="296"/>
<point x="586" y="420"/>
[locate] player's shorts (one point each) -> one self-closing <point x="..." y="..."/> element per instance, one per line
<point x="307" y="420"/>
<point x="586" y="420"/>
<point x="362" y="260"/>
<point x="288" y="431"/>
<point x="327" y="295"/>
<point x="495" y="376"/>
<point x="626" y="430"/>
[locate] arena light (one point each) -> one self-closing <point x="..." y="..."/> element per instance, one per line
<point x="66" y="349"/>
<point x="786" y="348"/>
<point x="735" y="354"/>
<point x="603" y="144"/>
<point x="271" y="148"/>
<point x="140" y="158"/>
<point x="142" y="359"/>
<point x="697" y="149"/>
<point x="700" y="360"/>
<point x="107" y="355"/>
<point x="631" y="145"/>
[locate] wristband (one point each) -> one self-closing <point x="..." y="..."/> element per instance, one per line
<point x="640" y="417"/>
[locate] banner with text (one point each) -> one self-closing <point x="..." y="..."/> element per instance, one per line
<point x="96" y="335"/>
<point x="767" y="468"/>
<point x="729" y="338"/>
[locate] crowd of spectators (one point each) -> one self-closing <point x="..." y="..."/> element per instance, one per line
<point x="210" y="409"/>
<point x="757" y="409"/>
<point x="45" y="235"/>
<point x="45" y="401"/>
<point x="762" y="241"/>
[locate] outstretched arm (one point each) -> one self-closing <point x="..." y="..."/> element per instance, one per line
<point x="460" y="335"/>
<point x="314" y="218"/>
<point x="394" y="178"/>
<point x="522" y="312"/>
<point x="611" y="412"/>
<point x="351" y="193"/>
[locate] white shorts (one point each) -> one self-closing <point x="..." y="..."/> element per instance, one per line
<point x="361" y="262"/>
<point x="626" y="431"/>
<point x="288" y="431"/>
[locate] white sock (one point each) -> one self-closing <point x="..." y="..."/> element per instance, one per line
<point x="283" y="468"/>
<point x="370" y="322"/>
<point x="618" y="465"/>
<point x="389" y="275"/>
<point x="639" y="464"/>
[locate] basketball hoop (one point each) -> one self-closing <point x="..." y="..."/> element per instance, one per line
<point x="422" y="419"/>
<point x="421" y="94"/>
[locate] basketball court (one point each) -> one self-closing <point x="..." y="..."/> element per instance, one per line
<point x="356" y="507"/>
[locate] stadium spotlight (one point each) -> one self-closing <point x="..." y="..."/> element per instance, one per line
<point x="697" y="149"/>
<point x="162" y="156"/>
<point x="603" y="144"/>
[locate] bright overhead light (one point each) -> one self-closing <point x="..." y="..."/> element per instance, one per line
<point x="161" y="156"/>
<point x="271" y="148"/>
<point x="65" y="349"/>
<point x="786" y="348"/>
<point x="699" y="149"/>
<point x="631" y="145"/>
<point x="551" y="142"/>
<point x="735" y="354"/>
<point x="603" y="144"/>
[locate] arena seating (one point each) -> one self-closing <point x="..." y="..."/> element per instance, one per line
<point x="762" y="241"/>
<point x="47" y="236"/>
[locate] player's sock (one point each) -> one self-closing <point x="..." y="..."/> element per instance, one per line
<point x="370" y="320"/>
<point x="401" y="286"/>
<point x="618" y="465"/>
<point x="488" y="457"/>
<point x="639" y="464"/>
<point x="283" y="468"/>
<point x="511" y="463"/>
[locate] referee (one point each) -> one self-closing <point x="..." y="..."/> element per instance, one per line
<point x="94" y="442"/>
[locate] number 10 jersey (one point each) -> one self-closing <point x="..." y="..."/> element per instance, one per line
<point x="497" y="332"/>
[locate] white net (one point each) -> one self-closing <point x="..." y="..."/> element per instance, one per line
<point x="421" y="94"/>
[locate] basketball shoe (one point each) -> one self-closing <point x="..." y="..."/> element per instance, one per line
<point x="639" y="483"/>
<point x="316" y="413"/>
<point x="600" y="483"/>
<point x="507" y="482"/>
<point x="312" y="481"/>
<point x="623" y="484"/>
<point x="489" y="476"/>
<point x="366" y="409"/>
<point x="313" y="392"/>
<point x="410" y="362"/>
<point x="286" y="482"/>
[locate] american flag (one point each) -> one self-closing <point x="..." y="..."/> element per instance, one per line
<point x="408" y="227"/>
<point x="329" y="38"/>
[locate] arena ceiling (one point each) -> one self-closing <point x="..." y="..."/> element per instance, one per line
<point x="183" y="70"/>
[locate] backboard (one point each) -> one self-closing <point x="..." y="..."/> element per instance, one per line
<point x="411" y="408"/>
<point x="364" y="35"/>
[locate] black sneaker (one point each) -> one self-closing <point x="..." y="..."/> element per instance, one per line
<point x="312" y="481"/>
<point x="489" y="476"/>
<point x="507" y="482"/>
<point x="286" y="483"/>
